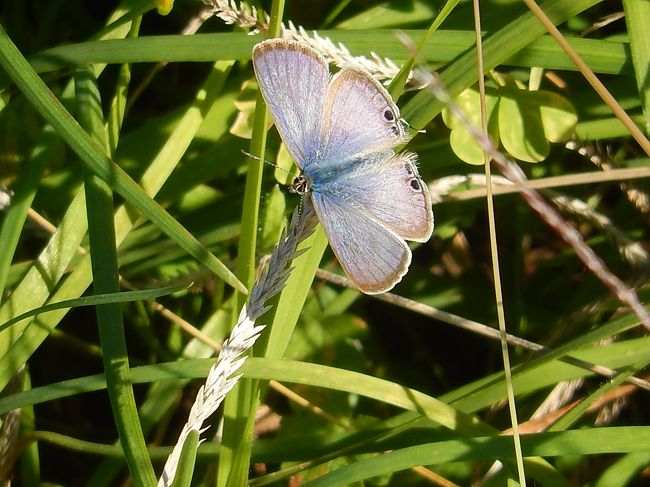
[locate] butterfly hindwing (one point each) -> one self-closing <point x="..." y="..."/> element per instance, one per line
<point x="372" y="256"/>
<point x="387" y="187"/>
<point x="293" y="80"/>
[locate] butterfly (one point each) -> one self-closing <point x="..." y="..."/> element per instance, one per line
<point x="342" y="132"/>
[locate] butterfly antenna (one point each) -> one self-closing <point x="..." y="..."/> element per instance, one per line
<point x="246" y="153"/>
<point x="257" y="158"/>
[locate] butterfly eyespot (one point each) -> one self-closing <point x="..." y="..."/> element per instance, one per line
<point x="415" y="184"/>
<point x="389" y="116"/>
<point x="409" y="169"/>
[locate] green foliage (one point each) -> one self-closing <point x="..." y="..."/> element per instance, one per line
<point x="523" y="121"/>
<point x="139" y="168"/>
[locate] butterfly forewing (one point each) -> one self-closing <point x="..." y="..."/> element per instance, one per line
<point x="373" y="257"/>
<point x="293" y="80"/>
<point x="359" y="117"/>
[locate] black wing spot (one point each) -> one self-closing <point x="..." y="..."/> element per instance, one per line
<point x="415" y="184"/>
<point x="389" y="116"/>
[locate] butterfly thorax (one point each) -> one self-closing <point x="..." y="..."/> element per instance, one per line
<point x="320" y="175"/>
<point x="316" y="178"/>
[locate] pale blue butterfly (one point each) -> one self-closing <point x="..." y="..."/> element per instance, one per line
<point x="342" y="132"/>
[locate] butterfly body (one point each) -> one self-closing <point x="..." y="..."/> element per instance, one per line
<point x="329" y="176"/>
<point x="342" y="132"/>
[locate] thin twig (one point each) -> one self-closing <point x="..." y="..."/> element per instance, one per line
<point x="514" y="173"/>
<point x="591" y="78"/>
<point x="603" y="159"/>
<point x="631" y="251"/>
<point x="494" y="251"/>
<point x="505" y="186"/>
<point x="478" y="328"/>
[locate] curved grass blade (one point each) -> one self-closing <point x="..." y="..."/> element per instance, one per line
<point x="637" y="18"/>
<point x="97" y="299"/>
<point x="604" y="56"/>
<point x="282" y="370"/>
<point x="581" y="442"/>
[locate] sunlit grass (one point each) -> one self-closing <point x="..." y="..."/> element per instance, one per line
<point x="379" y="387"/>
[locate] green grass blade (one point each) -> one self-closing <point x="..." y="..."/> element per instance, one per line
<point x="98" y="299"/>
<point x="121" y="19"/>
<point x="610" y="57"/>
<point x="103" y="254"/>
<point x="293" y="297"/>
<point x="30" y="462"/>
<point x="237" y="430"/>
<point x="637" y="18"/>
<point x="187" y="460"/>
<point x="571" y="349"/>
<point x="574" y="415"/>
<point x="480" y="395"/>
<point x="21" y="201"/>
<point x="588" y="442"/>
<point x="115" y="117"/>
<point x="624" y="471"/>
<point x="163" y="396"/>
<point x="20" y="342"/>
<point x="41" y="279"/>
<point x="99" y="163"/>
<point x="439" y="410"/>
<point x="283" y="370"/>
<point x="605" y="128"/>
<point x="396" y="87"/>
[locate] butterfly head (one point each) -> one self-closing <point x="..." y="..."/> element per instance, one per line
<point x="300" y="185"/>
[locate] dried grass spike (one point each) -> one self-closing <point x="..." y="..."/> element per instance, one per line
<point x="221" y="378"/>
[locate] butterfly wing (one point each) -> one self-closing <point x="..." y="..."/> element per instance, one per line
<point x="359" y="117"/>
<point x="388" y="188"/>
<point x="293" y="79"/>
<point x="373" y="199"/>
<point x="373" y="257"/>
